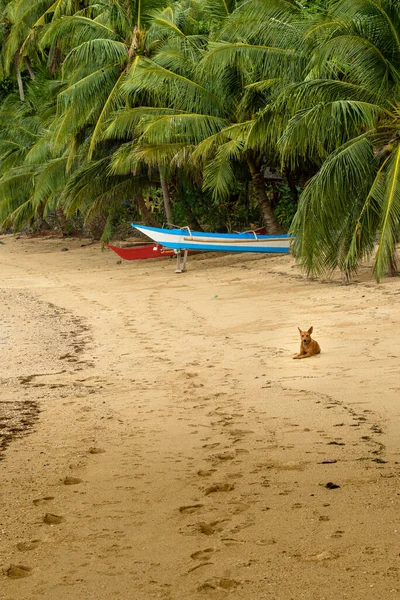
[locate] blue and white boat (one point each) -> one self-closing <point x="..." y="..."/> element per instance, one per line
<point x="185" y="239"/>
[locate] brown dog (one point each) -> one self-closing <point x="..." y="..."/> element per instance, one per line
<point x="308" y="346"/>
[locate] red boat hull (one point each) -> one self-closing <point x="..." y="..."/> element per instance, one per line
<point x="142" y="252"/>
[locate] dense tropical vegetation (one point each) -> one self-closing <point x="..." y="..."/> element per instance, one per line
<point x="214" y="113"/>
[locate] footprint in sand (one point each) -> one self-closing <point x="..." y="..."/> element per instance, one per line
<point x="215" y="584"/>
<point x="52" y="519"/>
<point x="28" y="546"/>
<point x="202" y="554"/>
<point x="202" y="564"/>
<point x="376" y="429"/>
<point x="72" y="480"/>
<point x="223" y="456"/>
<point x="219" y="487"/>
<point x="94" y="450"/>
<point x="210" y="528"/>
<point x="206" y="528"/>
<point x="18" y="571"/>
<point x="205" y="473"/>
<point x="190" y="509"/>
<point x="39" y="501"/>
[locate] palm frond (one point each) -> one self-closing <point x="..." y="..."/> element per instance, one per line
<point x="219" y="175"/>
<point x="330" y="206"/>
<point x="111" y="104"/>
<point x="129" y="158"/>
<point x="50" y="181"/>
<point x="124" y="122"/>
<point x="386" y="193"/>
<point x="85" y="97"/>
<point x="318" y="130"/>
<point x="95" y="52"/>
<point x="165" y="128"/>
<point x="69" y="32"/>
<point x="167" y="88"/>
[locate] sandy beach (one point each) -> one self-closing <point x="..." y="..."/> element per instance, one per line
<point x="158" y="441"/>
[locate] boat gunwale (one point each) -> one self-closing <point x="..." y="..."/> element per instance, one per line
<point x="247" y="236"/>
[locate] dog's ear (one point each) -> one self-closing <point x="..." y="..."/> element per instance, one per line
<point x="299" y="330"/>
<point x="310" y="330"/>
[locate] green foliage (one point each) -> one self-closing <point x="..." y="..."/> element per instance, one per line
<point x="286" y="207"/>
<point x="7" y="86"/>
<point x="316" y="6"/>
<point x="353" y="88"/>
<point x="236" y="213"/>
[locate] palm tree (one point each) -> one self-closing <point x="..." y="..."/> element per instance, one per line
<point x="203" y="101"/>
<point x="97" y="46"/>
<point x="346" y="117"/>
<point x="32" y="176"/>
<point x="23" y="24"/>
<point x="103" y="49"/>
<point x="173" y="37"/>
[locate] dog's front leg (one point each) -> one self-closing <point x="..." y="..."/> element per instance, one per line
<point x="301" y="353"/>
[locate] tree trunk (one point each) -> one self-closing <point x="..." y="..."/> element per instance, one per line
<point x="257" y="178"/>
<point x="40" y="222"/>
<point x="61" y="219"/>
<point x="29" y="67"/>
<point x="55" y="59"/>
<point x="19" y="80"/>
<point x="166" y="196"/>
<point x="136" y="36"/>
<point x="345" y="277"/>
<point x="146" y="214"/>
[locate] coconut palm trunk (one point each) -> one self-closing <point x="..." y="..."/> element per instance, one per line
<point x="61" y="219"/>
<point x="40" y="222"/>
<point x="269" y="217"/>
<point x="19" y="78"/>
<point x="166" y="197"/>
<point x="29" y="67"/>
